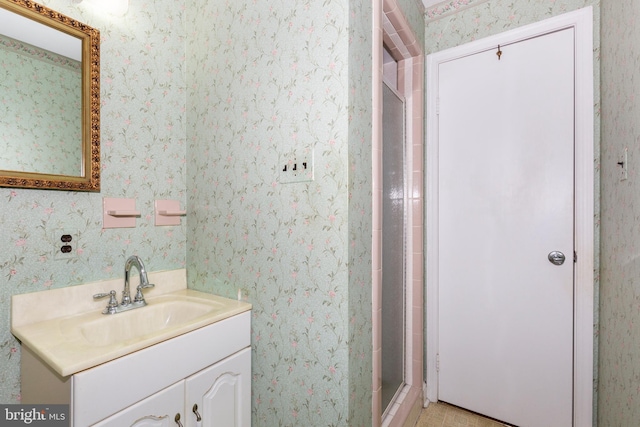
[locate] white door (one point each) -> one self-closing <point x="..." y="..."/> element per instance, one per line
<point x="506" y="201"/>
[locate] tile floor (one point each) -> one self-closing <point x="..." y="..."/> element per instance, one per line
<point x="443" y="415"/>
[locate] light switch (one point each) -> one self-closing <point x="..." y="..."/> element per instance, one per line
<point x="296" y="168"/>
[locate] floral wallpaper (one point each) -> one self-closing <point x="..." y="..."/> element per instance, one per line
<point x="143" y="127"/>
<point x="456" y="22"/>
<point x="449" y="7"/>
<point x="619" y="362"/>
<point x="40" y="110"/>
<point x="360" y="197"/>
<point x="269" y="80"/>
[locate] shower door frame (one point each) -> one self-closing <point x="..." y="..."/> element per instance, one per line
<point x="392" y="29"/>
<point x="405" y="360"/>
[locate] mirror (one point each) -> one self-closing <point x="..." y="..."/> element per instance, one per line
<point x="49" y="99"/>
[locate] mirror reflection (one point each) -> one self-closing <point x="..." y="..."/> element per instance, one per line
<point x="41" y="87"/>
<point x="49" y="99"/>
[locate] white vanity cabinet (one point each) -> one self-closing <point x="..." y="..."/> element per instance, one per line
<point x="216" y="396"/>
<point x="209" y="367"/>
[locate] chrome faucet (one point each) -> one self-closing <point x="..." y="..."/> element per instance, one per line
<point x="135" y="261"/>
<point x="126" y="304"/>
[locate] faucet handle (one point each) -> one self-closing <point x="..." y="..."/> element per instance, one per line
<point x="139" y="297"/>
<point x="112" y="305"/>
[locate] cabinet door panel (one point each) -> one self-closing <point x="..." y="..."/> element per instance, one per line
<point x="222" y="393"/>
<point x="158" y="410"/>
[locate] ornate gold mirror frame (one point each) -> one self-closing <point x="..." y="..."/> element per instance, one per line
<point x="89" y="178"/>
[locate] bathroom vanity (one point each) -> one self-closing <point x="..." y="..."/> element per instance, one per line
<point x="184" y="362"/>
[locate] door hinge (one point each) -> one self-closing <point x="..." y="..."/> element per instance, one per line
<point x="438" y="362"/>
<point x="575" y="257"/>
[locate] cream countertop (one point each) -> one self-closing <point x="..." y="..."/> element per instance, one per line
<point x="49" y="322"/>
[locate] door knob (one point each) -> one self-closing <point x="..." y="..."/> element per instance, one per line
<point x="556" y="258"/>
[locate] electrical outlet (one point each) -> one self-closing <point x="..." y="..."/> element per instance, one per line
<point x="296" y="168"/>
<point x="65" y="243"/>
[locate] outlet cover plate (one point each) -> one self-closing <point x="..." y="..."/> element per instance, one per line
<point x="66" y="242"/>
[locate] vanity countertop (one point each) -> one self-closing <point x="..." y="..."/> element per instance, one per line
<point x="67" y="330"/>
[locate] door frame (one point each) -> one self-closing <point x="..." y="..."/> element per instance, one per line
<point x="582" y="22"/>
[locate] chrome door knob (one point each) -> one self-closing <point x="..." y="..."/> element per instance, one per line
<point x="556" y="258"/>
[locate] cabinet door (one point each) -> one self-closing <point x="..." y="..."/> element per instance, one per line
<point x="222" y="393"/>
<point x="157" y="410"/>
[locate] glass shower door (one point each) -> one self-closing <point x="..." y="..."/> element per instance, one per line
<point x="393" y="245"/>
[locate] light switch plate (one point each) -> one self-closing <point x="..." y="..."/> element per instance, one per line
<point x="296" y="167"/>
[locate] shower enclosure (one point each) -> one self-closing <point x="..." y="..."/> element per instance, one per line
<point x="393" y="246"/>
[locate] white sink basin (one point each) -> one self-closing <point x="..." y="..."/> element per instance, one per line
<point x="70" y="343"/>
<point x="160" y="314"/>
